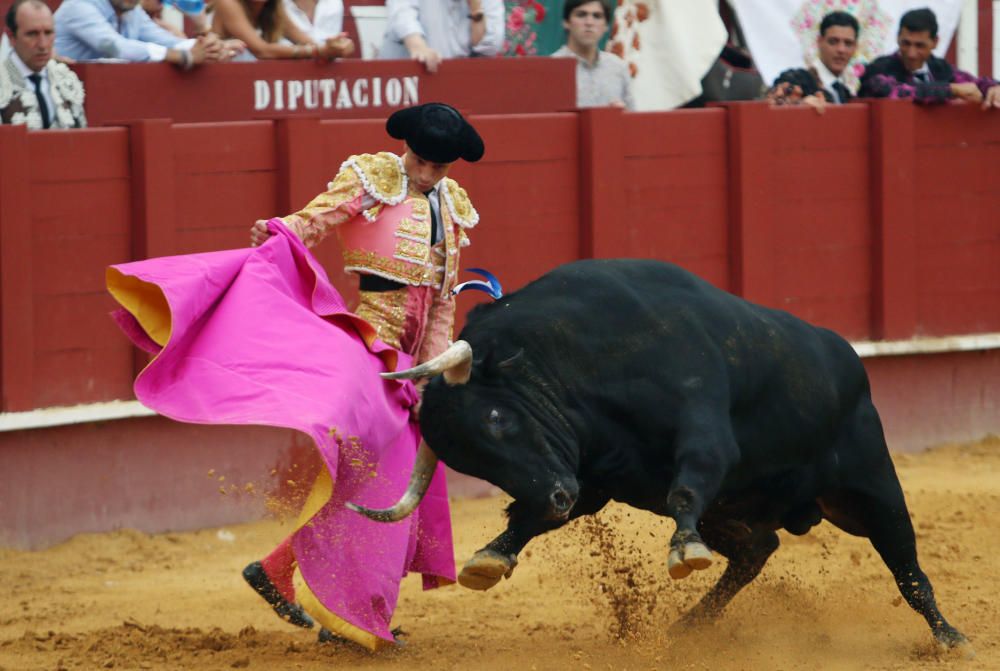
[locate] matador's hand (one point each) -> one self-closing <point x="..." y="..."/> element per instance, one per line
<point x="259" y="233"/>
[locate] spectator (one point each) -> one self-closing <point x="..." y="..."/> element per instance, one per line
<point x="154" y="9"/>
<point x="824" y="82"/>
<point x="195" y="11"/>
<point x="89" y="30"/>
<point x="432" y="30"/>
<point x="36" y="90"/>
<point x="915" y="72"/>
<point x="602" y="78"/>
<point x="264" y="28"/>
<point x="319" y="19"/>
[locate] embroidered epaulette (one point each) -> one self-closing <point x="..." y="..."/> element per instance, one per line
<point x="6" y="88"/>
<point x="382" y="176"/>
<point x="65" y="80"/>
<point x="459" y="205"/>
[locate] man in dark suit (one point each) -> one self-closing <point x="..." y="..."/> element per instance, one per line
<point x="35" y="89"/>
<point x="915" y="72"/>
<point x="822" y="83"/>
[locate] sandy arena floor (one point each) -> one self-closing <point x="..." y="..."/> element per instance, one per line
<point x="594" y="595"/>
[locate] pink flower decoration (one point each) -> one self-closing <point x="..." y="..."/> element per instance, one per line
<point x="539" y="12"/>
<point x="516" y="21"/>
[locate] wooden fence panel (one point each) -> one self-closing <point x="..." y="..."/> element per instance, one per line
<point x="80" y="220"/>
<point x="675" y="193"/>
<point x="957" y="217"/>
<point x="225" y="179"/>
<point x="820" y="209"/>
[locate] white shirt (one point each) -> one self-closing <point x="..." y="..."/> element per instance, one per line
<point x="827" y="79"/>
<point x="44" y="86"/>
<point x="445" y="25"/>
<point x="602" y="82"/>
<point x="925" y="72"/>
<point x="327" y="21"/>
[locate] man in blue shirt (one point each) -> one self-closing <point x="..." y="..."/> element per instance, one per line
<point x="88" y="30"/>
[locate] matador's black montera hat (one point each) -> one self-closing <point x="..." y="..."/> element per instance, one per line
<point x="436" y="132"/>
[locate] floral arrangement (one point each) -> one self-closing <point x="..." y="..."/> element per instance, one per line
<point x="523" y="19"/>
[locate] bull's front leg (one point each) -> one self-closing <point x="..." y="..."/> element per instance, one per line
<point x="499" y="557"/>
<point x="705" y="451"/>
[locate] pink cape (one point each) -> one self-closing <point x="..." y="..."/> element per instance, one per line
<point x="260" y="336"/>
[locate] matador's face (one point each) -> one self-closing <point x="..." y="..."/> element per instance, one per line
<point x="423" y="174"/>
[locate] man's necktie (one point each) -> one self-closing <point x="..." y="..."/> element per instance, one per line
<point x="434" y="218"/>
<point x="36" y="79"/>
<point x="920" y="77"/>
<point x="843" y="95"/>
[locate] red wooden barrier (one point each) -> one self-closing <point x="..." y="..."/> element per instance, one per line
<point x="347" y="89"/>
<point x="65" y="214"/>
<point x="676" y="186"/>
<point x="957" y="224"/>
<point x="878" y="222"/>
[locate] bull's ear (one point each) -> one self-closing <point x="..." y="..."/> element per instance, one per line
<point x="511" y="360"/>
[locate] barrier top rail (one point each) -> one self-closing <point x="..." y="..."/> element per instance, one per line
<point x="348" y="89"/>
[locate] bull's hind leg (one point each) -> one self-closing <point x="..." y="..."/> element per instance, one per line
<point x="499" y="557"/>
<point x="705" y="449"/>
<point x="747" y="551"/>
<point x="873" y="506"/>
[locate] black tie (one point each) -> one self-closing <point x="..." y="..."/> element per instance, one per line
<point x="36" y="79"/>
<point x="920" y="76"/>
<point x="434" y="219"/>
<point x="843" y="94"/>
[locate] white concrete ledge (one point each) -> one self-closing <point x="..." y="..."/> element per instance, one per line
<point x="963" y="343"/>
<point x="77" y="414"/>
<point x="101" y="412"/>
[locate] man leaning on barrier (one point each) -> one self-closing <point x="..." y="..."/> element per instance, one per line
<point x="429" y="31"/>
<point x="915" y="72"/>
<point x="92" y="30"/>
<point x="602" y="78"/>
<point x="824" y="82"/>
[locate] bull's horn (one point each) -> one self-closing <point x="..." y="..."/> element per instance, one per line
<point x="420" y="480"/>
<point x="455" y="362"/>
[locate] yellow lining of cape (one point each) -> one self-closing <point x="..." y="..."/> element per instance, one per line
<point x="320" y="494"/>
<point x="145" y="301"/>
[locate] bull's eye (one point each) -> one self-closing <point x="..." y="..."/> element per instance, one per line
<point x="496" y="421"/>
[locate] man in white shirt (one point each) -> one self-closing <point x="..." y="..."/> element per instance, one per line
<point x="36" y="90"/>
<point x="602" y="78"/>
<point x="824" y="82"/>
<point x="429" y="31"/>
<point x="90" y="30"/>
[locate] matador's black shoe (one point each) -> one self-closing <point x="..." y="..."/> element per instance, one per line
<point x="291" y="613"/>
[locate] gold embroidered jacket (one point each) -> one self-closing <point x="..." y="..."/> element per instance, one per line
<point x="384" y="224"/>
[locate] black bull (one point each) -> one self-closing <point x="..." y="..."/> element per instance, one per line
<point x="639" y="382"/>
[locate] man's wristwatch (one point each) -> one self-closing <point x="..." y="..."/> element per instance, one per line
<point x="476" y="17"/>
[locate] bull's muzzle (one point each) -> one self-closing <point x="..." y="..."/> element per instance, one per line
<point x="561" y="503"/>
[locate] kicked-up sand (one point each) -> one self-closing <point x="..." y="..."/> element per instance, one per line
<point x="593" y="595"/>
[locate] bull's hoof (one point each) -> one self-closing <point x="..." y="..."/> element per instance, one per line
<point x="686" y="558"/>
<point x="953" y="643"/>
<point x="485" y="569"/>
